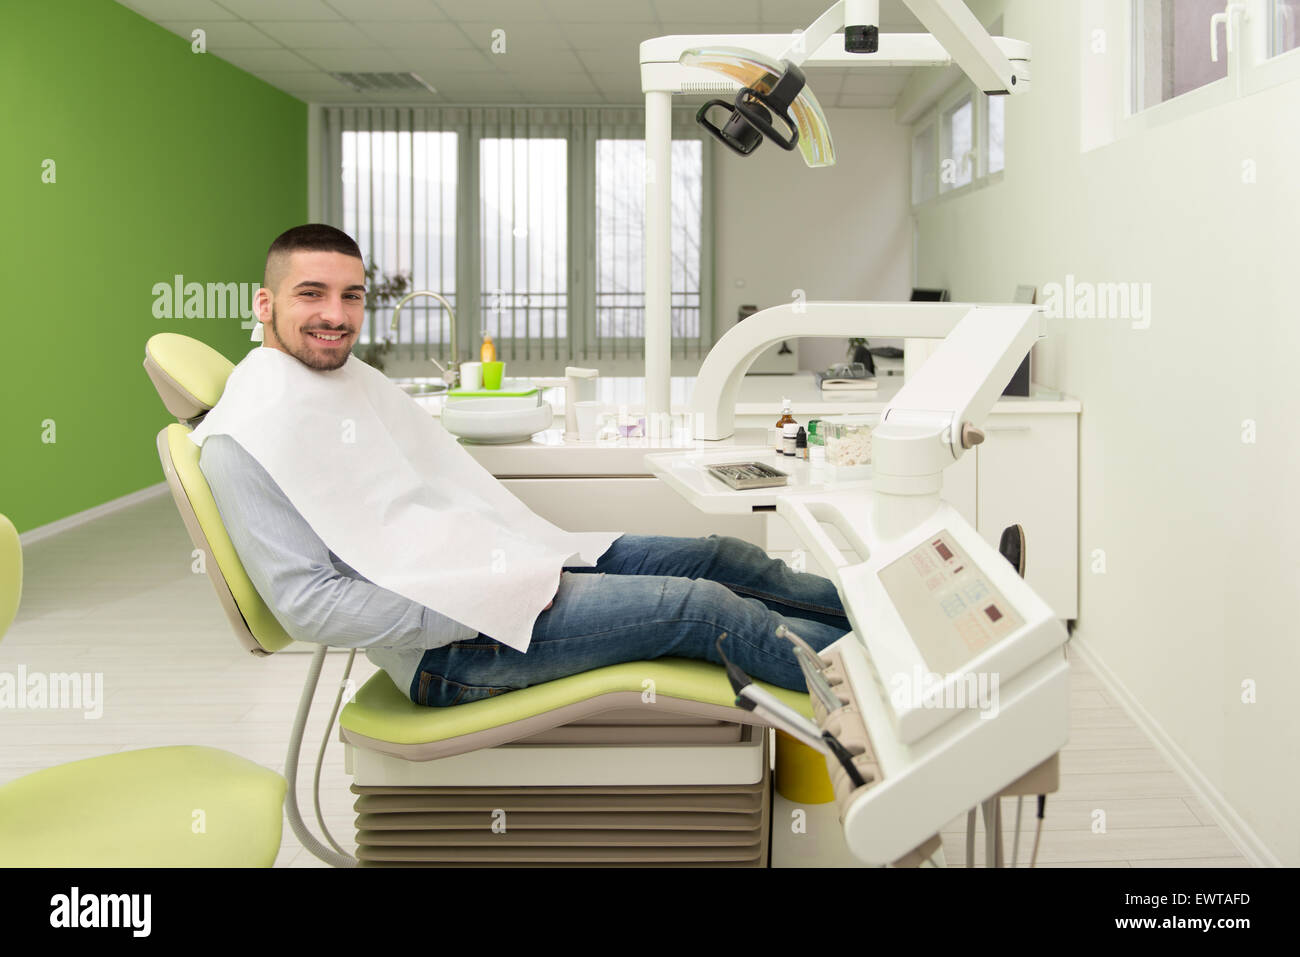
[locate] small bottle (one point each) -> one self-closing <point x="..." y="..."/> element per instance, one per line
<point x="786" y="417"/>
<point x="488" y="353"/>
<point x="801" y="445"/>
<point x="816" y="443"/>
<point x="789" y="432"/>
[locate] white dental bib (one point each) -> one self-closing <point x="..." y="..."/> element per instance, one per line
<point x="394" y="495"/>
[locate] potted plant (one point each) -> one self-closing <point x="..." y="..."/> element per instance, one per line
<point x="381" y="292"/>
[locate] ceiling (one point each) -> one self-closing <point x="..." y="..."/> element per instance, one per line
<point x="556" y="51"/>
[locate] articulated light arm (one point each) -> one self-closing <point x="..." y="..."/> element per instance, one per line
<point x="995" y="65"/>
<point x="952" y="24"/>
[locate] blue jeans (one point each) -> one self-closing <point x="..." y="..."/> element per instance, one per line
<point x="650" y="596"/>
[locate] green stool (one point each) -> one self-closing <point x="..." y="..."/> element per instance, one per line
<point x="185" y="806"/>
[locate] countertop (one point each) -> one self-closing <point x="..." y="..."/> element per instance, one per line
<point x="762" y="395"/>
<point x="549" y="453"/>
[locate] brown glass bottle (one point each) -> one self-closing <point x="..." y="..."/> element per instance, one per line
<point x="778" y="444"/>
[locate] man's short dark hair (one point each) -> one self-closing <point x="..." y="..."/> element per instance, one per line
<point x="313" y="237"/>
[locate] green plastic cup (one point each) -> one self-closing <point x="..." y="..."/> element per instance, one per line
<point x="492" y="372"/>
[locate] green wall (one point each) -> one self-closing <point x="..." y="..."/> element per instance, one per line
<point x="167" y="162"/>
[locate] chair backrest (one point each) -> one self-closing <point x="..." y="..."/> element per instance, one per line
<point x="11" y="573"/>
<point x="190" y="377"/>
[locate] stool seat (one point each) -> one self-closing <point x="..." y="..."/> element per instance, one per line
<point x="382" y="718"/>
<point x="142" y="809"/>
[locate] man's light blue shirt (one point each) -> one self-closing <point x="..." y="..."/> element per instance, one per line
<point x="314" y="594"/>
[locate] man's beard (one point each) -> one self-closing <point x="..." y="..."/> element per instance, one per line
<point x="308" y="357"/>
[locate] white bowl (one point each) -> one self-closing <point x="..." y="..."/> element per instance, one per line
<point x="496" y="421"/>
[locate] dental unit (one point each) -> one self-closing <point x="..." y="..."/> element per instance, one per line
<point x="666" y="762"/>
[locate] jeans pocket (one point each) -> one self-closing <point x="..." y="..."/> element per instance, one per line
<point x="437" y="691"/>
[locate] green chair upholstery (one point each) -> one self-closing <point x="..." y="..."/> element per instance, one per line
<point x="158" y="807"/>
<point x="11" y="573"/>
<point x="183" y="806"/>
<point x="388" y="720"/>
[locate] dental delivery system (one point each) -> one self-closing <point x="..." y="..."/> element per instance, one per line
<point x="952" y="688"/>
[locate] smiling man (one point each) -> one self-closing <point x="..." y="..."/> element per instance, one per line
<point x="313" y="457"/>
<point x="322" y="291"/>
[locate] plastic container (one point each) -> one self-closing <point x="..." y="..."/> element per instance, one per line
<point x="488" y="351"/>
<point x="789" y="432"/>
<point x="816" y="448"/>
<point x="847" y="439"/>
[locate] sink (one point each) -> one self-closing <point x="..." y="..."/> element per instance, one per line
<point x="496" y="421"/>
<point x="418" y="390"/>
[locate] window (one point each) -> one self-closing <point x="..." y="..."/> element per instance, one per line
<point x="523" y="241"/>
<point x="959" y="143"/>
<point x="1171" y="52"/>
<point x="1284" y="27"/>
<point x="923" y="166"/>
<point x="528" y="220"/>
<point x="1170" y="69"/>
<point x="398" y="195"/>
<point x="620" y="259"/>
<point x="958" y="166"/>
<point x="995" y="112"/>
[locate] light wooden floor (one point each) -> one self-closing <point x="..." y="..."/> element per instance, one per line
<point x="118" y="597"/>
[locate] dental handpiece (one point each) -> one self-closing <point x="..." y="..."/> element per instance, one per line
<point x="812" y="667"/>
<point x="779" y="715"/>
<point x="766" y="706"/>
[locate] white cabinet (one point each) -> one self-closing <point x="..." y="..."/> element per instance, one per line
<point x="1029" y="474"/>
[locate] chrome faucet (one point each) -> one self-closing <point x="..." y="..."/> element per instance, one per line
<point x="451" y="373"/>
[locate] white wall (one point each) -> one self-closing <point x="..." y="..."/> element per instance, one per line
<point x="1199" y="529"/>
<point x="839" y="232"/>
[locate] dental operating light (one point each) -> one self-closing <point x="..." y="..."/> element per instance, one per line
<point x="758" y="72"/>
<point x="774" y="88"/>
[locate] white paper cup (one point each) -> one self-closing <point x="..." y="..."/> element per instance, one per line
<point x="471" y="375"/>
<point x="587" y="413"/>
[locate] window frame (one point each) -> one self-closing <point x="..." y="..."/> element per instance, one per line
<point x="949" y="105"/>
<point x="1267" y="70"/>
<point x="615" y="348"/>
<point x="617" y="355"/>
<point x="552" y="349"/>
<point x="1250" y="69"/>
<point x="934" y="118"/>
<point x="927" y="124"/>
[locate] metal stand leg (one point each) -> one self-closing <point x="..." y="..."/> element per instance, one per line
<point x="992" y="832"/>
<point x="970" y="838"/>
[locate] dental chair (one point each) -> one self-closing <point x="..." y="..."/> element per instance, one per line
<point x="638" y="764"/>
<point x="136" y="808"/>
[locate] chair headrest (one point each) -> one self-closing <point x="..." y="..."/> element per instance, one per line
<point x="189" y="375"/>
<point x="11" y="573"/>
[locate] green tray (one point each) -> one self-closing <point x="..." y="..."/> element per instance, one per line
<point x="487" y="393"/>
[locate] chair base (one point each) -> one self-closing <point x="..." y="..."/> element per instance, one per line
<point x="718" y="821"/>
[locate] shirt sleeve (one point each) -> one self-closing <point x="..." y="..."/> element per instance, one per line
<point x="295" y="572"/>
